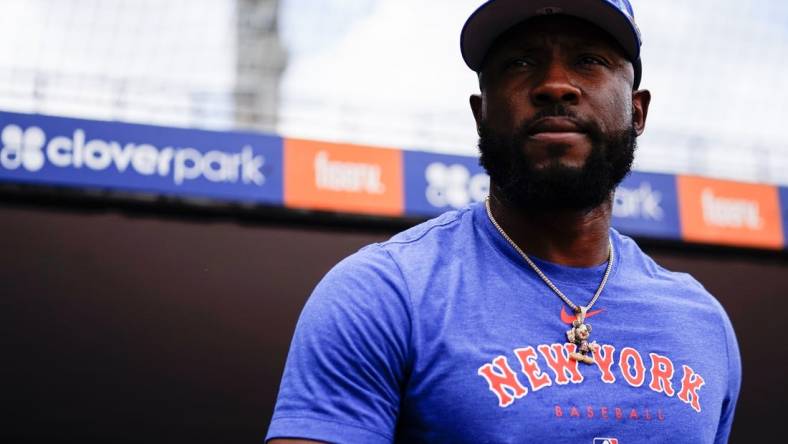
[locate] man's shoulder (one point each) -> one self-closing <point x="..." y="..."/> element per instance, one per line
<point x="438" y="228"/>
<point x="429" y="238"/>
<point x="685" y="285"/>
<point x="635" y="256"/>
<point x="372" y="275"/>
<point x="420" y="242"/>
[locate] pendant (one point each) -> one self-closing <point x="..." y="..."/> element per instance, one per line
<point x="578" y="335"/>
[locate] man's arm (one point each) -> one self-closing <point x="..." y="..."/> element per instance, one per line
<point x="347" y="361"/>
<point x="734" y="382"/>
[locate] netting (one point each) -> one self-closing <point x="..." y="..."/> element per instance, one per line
<point x="384" y="72"/>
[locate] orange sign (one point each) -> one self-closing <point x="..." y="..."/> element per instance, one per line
<point x="733" y="213"/>
<point x="334" y="177"/>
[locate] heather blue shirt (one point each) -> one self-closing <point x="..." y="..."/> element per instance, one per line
<point x="444" y="334"/>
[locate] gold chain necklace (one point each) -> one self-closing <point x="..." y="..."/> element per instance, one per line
<point x="581" y="330"/>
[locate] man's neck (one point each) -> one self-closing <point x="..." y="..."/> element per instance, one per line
<point x="566" y="237"/>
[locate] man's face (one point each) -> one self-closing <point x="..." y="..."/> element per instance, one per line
<point x="557" y="116"/>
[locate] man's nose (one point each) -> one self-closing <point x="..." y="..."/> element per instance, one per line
<point x="554" y="87"/>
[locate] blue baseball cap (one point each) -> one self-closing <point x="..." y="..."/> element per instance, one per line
<point x="495" y="17"/>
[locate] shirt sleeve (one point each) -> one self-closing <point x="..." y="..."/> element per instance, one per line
<point x="348" y="357"/>
<point x="734" y="382"/>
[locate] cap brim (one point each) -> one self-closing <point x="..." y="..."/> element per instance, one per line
<point x="495" y="17"/>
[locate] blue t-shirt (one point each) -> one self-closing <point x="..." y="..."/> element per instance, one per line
<point x="444" y="334"/>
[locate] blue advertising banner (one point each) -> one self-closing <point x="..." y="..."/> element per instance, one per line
<point x="435" y="183"/>
<point x="783" y="191"/>
<point x="646" y="204"/>
<point x="128" y="157"/>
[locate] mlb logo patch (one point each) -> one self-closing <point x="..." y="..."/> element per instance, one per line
<point x="605" y="441"/>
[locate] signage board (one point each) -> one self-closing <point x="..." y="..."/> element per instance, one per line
<point x="731" y="213"/>
<point x="435" y="183"/>
<point x="344" y="178"/>
<point x="646" y="204"/>
<point x="140" y="158"/>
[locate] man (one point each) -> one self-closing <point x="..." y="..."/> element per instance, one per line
<point x="476" y="326"/>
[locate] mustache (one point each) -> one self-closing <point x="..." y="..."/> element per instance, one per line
<point x="558" y="110"/>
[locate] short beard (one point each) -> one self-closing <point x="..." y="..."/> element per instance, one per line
<point x="556" y="187"/>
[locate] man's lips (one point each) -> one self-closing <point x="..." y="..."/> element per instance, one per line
<point x="558" y="137"/>
<point x="556" y="129"/>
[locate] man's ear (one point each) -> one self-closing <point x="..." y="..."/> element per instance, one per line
<point x="641" y="99"/>
<point x="476" y="107"/>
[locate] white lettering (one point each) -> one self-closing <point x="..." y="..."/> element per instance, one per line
<point x="144" y="159"/>
<point x="454" y="186"/>
<point x="59" y="151"/>
<point x="121" y="156"/>
<point x="479" y="187"/>
<point x="730" y="213"/>
<point x="22" y="148"/>
<point x="641" y="203"/>
<point x="187" y="165"/>
<point x="32" y="149"/>
<point x="165" y="156"/>
<point x="346" y="176"/>
<point x="11" y="153"/>
<point x="28" y="148"/>
<point x="97" y="155"/>
<point x="251" y="167"/>
<point x="233" y="168"/>
<point x="213" y="166"/>
<point x="77" y="145"/>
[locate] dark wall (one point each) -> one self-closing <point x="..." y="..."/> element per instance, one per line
<point x="135" y="328"/>
<point x="752" y="288"/>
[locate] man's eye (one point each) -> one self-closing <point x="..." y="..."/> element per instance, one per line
<point x="592" y="60"/>
<point x="521" y="62"/>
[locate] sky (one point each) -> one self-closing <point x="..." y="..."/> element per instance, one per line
<point x="389" y="72"/>
<point x="90" y="56"/>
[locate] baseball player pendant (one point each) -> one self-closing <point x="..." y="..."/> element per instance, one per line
<point x="578" y="335"/>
